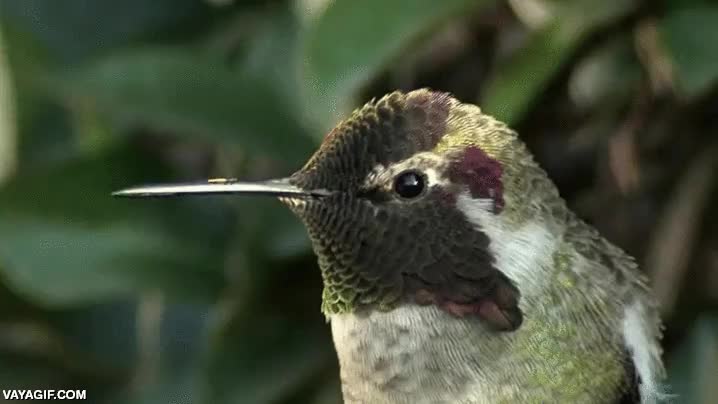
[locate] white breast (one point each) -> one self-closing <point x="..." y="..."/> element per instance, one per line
<point x="411" y="354"/>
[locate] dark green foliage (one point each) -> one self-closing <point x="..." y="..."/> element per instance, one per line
<point x="217" y="300"/>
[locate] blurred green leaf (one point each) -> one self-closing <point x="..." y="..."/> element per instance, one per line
<point x="65" y="262"/>
<point x="12" y="306"/>
<point x="352" y="41"/>
<point x="33" y="355"/>
<point x="675" y="4"/>
<point x="270" y="230"/>
<point x="8" y="123"/>
<point x="42" y="126"/>
<point x="83" y="332"/>
<point x="608" y="76"/>
<point x="686" y="33"/>
<point x="180" y="389"/>
<point x="693" y="371"/>
<point x="168" y="368"/>
<point x="23" y="373"/>
<point x="519" y="80"/>
<point x="75" y="29"/>
<point x="274" y="53"/>
<point x="186" y="93"/>
<point x="65" y="240"/>
<point x="267" y="362"/>
<point x="93" y="132"/>
<point x="329" y="393"/>
<point x="271" y="49"/>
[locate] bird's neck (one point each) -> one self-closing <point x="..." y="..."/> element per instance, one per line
<point x="421" y="354"/>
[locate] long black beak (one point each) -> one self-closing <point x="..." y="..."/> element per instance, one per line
<point x="218" y="186"/>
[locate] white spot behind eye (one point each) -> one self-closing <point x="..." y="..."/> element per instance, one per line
<point x="434" y="178"/>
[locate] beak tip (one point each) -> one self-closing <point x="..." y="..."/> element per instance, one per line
<point x="127" y="193"/>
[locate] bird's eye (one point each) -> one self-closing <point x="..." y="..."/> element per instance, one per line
<point x="409" y="184"/>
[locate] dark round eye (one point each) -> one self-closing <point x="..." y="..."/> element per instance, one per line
<point x="409" y="184"/>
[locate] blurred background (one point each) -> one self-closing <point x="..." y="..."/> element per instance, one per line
<point x="216" y="300"/>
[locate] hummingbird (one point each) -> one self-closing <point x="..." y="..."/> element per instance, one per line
<point x="453" y="271"/>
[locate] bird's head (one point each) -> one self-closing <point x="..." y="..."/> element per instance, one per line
<point x="401" y="201"/>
